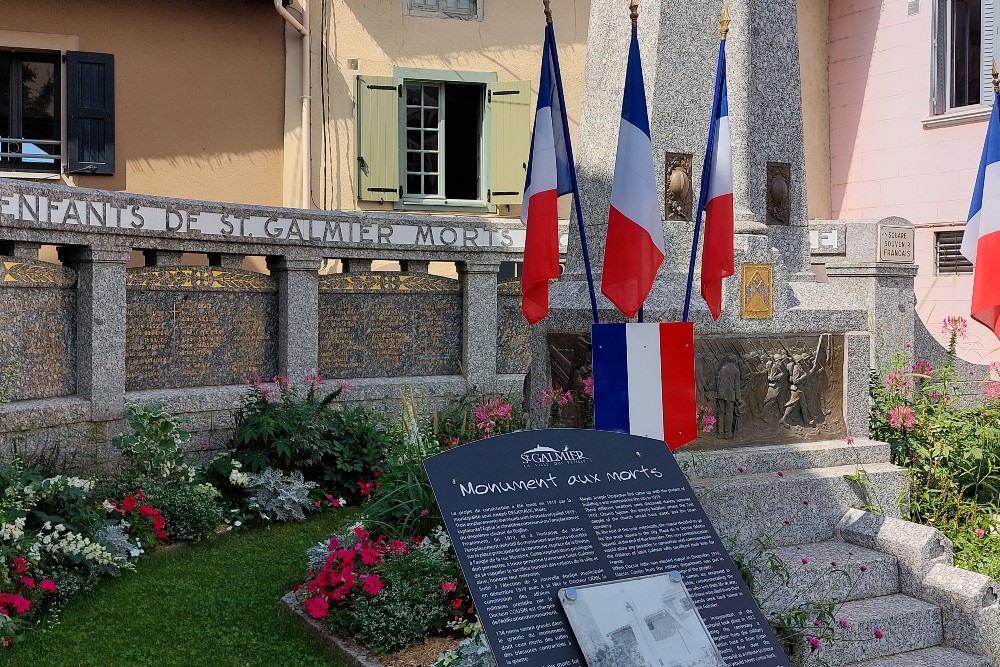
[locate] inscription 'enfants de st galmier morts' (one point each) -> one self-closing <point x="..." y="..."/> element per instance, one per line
<point x="53" y="211"/>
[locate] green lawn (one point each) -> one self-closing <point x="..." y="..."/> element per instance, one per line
<point x="215" y="604"/>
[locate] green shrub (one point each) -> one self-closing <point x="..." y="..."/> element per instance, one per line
<point x="153" y="444"/>
<point x="192" y="512"/>
<point x="404" y="504"/>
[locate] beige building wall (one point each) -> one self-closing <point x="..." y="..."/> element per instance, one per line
<point x="814" y="56"/>
<point x="199" y="90"/>
<point x="378" y="37"/>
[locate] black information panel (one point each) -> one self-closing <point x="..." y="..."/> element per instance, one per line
<point x="536" y="511"/>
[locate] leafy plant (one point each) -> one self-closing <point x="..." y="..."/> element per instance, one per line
<point x="473" y="651"/>
<point x="279" y="496"/>
<point x="473" y="416"/>
<point x="153" y="445"/>
<point x="405" y="504"/>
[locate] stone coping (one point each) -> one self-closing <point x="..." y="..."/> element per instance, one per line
<point x="349" y="653"/>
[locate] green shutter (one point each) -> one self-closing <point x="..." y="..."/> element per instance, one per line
<point x="376" y="120"/>
<point x="508" y="106"/>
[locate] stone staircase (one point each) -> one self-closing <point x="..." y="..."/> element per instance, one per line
<point x="890" y="575"/>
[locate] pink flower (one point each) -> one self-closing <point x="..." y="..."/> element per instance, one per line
<point x="814" y="643"/>
<point x="373" y="585"/>
<point x="424" y="512"/>
<point x="781" y="473"/>
<point x="741" y="469"/>
<point x="19" y="565"/>
<point x="48" y="586"/>
<point x="708" y="420"/>
<point x="992" y="391"/>
<point x="805" y="561"/>
<point x="922" y="367"/>
<point x="399" y="547"/>
<point x="319" y="503"/>
<point x="588" y="386"/>
<point x="20" y="605"/>
<point x="844" y="623"/>
<point x="902" y="416"/>
<point x="546" y="395"/>
<point x="361" y="533"/>
<point x="955" y="325"/>
<point x="369" y="556"/>
<point x="448" y="587"/>
<point x="878" y="633"/>
<point x="895" y="383"/>
<point x="317" y="607"/>
<point x="849" y="440"/>
<point x="805" y="501"/>
<point x="863" y="567"/>
<point x="979" y="533"/>
<point x="28" y="582"/>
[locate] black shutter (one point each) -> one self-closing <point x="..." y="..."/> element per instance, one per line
<point x="90" y="113"/>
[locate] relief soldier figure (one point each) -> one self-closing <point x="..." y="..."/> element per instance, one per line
<point x="728" y="399"/>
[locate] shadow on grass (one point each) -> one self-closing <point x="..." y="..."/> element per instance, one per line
<point x="215" y="604"/>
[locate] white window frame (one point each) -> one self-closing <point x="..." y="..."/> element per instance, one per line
<point x="421" y="10"/>
<point x="941" y="111"/>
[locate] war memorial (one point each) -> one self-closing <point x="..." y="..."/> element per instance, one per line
<point x="813" y="307"/>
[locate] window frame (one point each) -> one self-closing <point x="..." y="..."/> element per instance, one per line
<point x="12" y="55"/>
<point x="439" y="202"/>
<point x="413" y="8"/>
<point x="941" y="52"/>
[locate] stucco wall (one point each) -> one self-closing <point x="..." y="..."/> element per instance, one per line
<point x="886" y="161"/>
<point x="199" y="90"/>
<point x="507" y="41"/>
<point x="814" y="38"/>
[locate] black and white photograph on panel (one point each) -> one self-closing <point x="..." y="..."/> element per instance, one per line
<point x="642" y="622"/>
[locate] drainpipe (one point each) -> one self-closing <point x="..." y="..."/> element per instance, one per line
<point x="303" y="29"/>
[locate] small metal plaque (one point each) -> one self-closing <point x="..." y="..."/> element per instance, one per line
<point x="756" y="292"/>
<point x="677" y="197"/>
<point x="895" y="244"/>
<point x="779" y="193"/>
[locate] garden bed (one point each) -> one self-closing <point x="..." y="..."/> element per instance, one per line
<point x="355" y="655"/>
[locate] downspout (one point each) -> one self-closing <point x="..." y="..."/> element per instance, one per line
<point x="303" y="29"/>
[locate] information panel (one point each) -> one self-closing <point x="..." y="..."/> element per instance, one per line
<point x="534" y="512"/>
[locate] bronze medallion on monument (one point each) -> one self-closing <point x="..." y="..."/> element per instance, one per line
<point x="386" y="324"/>
<point x="757" y="291"/>
<point x="199" y="327"/>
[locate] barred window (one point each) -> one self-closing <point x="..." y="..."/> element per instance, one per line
<point x="948" y="257"/>
<point x="464" y="9"/>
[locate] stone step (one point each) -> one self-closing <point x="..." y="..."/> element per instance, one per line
<point x="907" y="624"/>
<point x="747" y="506"/>
<point x="702" y="463"/>
<point x="859" y="573"/>
<point x="937" y="656"/>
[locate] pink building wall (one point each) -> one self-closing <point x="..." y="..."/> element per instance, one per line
<point x="886" y="159"/>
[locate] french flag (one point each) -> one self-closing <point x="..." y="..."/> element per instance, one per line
<point x="644" y="380"/>
<point x="634" y="248"/>
<point x="548" y="177"/>
<point x="981" y="242"/>
<point x="716" y="198"/>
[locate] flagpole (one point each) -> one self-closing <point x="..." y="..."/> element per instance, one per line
<point x="706" y="169"/>
<point x="572" y="164"/>
<point x="633" y="7"/>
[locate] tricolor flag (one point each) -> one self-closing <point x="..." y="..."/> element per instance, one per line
<point x="981" y="242"/>
<point x="634" y="248"/>
<point x="548" y="178"/>
<point x="716" y="198"/>
<point x="644" y="380"/>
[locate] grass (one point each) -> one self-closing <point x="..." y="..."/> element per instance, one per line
<point x="215" y="603"/>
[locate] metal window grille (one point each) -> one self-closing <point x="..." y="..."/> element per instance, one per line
<point x="447" y="6"/>
<point x="948" y="257"/>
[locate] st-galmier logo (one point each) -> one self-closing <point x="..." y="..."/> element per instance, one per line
<point x="547" y="456"/>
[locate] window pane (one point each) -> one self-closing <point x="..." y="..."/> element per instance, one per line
<point x="38" y="91"/>
<point x="430" y="141"/>
<point x="430" y="162"/>
<point x="430" y="118"/>
<point x="431" y="185"/>
<point x="412" y="161"/>
<point x="413" y="139"/>
<point x="413" y="118"/>
<point x="413" y="95"/>
<point x="413" y="184"/>
<point x="430" y="96"/>
<point x="966" y="41"/>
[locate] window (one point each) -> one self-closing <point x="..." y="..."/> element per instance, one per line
<point x="948" y="258"/>
<point x="32" y="111"/>
<point x="29" y="111"/>
<point x="964" y="36"/>
<point x="441" y="139"/>
<point x="461" y="9"/>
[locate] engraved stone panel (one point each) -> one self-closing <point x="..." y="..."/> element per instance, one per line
<point x="38" y="332"/>
<point x="383" y="324"/>
<point x="199" y="326"/>
<point x="761" y="390"/>
<point x="513" y="332"/>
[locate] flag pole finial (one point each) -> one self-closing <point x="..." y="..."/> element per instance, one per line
<point x="724" y="22"/>
<point x="634" y="9"/>
<point x="996" y="77"/>
<point x="548" y="12"/>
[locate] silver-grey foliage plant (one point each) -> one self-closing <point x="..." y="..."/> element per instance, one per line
<point x="114" y="538"/>
<point x="279" y="496"/>
<point x="471" y="652"/>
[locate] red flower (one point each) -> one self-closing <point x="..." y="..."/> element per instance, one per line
<point x="146" y="510"/>
<point x="129" y="503"/>
<point x="19" y="565"/>
<point x="161" y="535"/>
<point x="399" y="547"/>
<point x="366" y="487"/>
<point x="319" y="504"/>
<point x="317" y="607"/>
<point x="456" y="603"/>
<point x="158" y="522"/>
<point x="48" y="586"/>
<point x="448" y="586"/>
<point x="139" y="494"/>
<point x="373" y="584"/>
<point x="361" y="533"/>
<point x="369" y="556"/>
<point x="418" y="539"/>
<point x="28" y="582"/>
<point x="20" y="604"/>
<point x="377" y="472"/>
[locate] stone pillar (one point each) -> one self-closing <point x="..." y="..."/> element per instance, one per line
<point x="225" y="260"/>
<point x="162" y="257"/>
<point x="100" y="337"/>
<point x="415" y="266"/>
<point x="298" y="314"/>
<point x="353" y="265"/>
<point x="20" y="249"/>
<point x="479" y="324"/>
